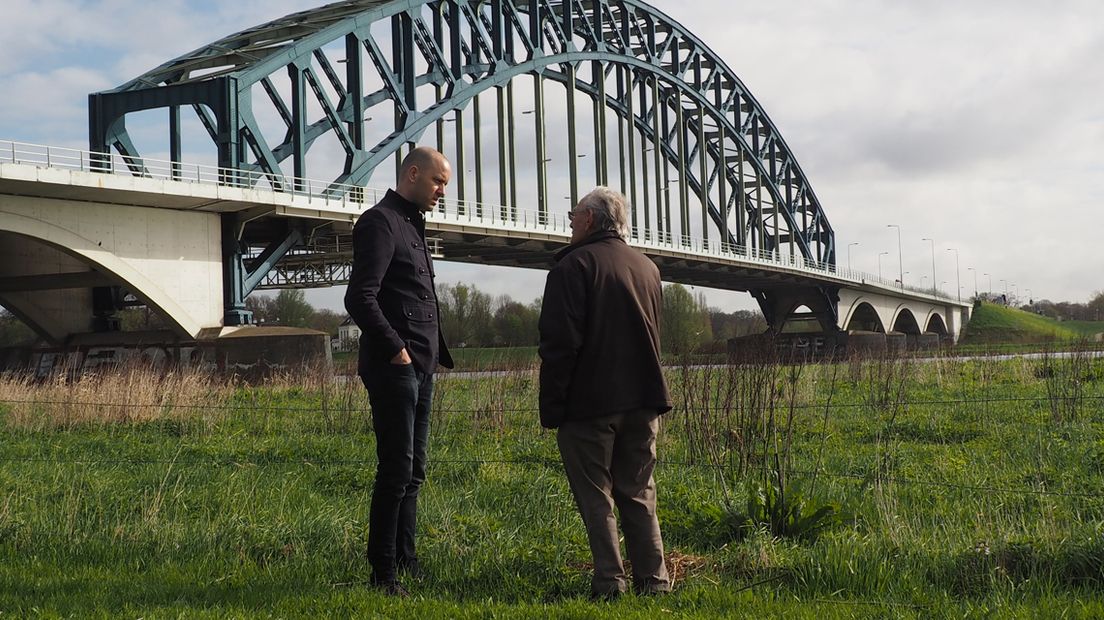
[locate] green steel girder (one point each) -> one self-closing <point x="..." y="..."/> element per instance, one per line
<point x="469" y="47"/>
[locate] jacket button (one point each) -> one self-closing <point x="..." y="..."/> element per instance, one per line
<point x="430" y="315"/>
<point x="409" y="314"/>
<point x="414" y="244"/>
<point x="421" y="270"/>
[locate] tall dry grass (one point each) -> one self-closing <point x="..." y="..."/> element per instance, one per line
<point x="124" y="395"/>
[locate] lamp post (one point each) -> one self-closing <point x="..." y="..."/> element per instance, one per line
<point x="958" y="280"/>
<point x="1004" y="283"/>
<point x="1030" y="299"/>
<point x="900" y="262"/>
<point x="990" y="276"/>
<point x="933" y="261"/>
<point x="880" y="264"/>
<point x="975" y="280"/>
<point x="849" y="254"/>
<point x="922" y="278"/>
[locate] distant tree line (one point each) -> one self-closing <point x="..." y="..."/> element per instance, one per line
<point x="290" y="308"/>
<point x="1093" y="310"/>
<point x="469" y="318"/>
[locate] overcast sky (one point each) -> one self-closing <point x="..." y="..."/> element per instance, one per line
<point x="977" y="124"/>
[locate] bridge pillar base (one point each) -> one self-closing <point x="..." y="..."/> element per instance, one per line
<point x="780" y="307"/>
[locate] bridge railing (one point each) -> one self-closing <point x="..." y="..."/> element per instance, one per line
<point x="332" y="194"/>
<point x="532" y="220"/>
<point x="356" y="197"/>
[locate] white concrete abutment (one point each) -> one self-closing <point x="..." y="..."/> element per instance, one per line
<point x="54" y="252"/>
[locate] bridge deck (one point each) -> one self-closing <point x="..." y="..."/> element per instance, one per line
<point x="468" y="232"/>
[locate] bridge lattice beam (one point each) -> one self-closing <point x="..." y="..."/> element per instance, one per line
<point x="267" y="96"/>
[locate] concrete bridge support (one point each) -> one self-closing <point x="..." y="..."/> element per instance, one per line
<point x="64" y="264"/>
<point x="781" y="307"/>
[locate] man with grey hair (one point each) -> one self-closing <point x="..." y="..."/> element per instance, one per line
<point x="602" y="387"/>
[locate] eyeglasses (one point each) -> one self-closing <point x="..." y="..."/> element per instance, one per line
<point x="571" y="214"/>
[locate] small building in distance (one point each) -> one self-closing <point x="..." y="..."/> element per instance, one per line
<point x="348" y="336"/>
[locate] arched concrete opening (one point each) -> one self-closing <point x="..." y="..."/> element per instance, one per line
<point x="936" y="325"/>
<point x="800" y="320"/>
<point x="865" y="318"/>
<point x="54" y="293"/>
<point x="59" y="258"/>
<point x="905" y="322"/>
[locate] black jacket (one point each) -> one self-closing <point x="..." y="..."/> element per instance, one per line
<point x="599" y="333"/>
<point x="390" y="294"/>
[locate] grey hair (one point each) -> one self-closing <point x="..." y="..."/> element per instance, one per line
<point x="610" y="209"/>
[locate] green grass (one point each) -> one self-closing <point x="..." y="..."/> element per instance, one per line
<point x="974" y="494"/>
<point x="467" y="359"/>
<point x="996" y="324"/>
<point x="488" y="358"/>
<point x="1085" y="328"/>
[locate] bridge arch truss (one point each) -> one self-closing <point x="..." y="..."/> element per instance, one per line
<point x="366" y="79"/>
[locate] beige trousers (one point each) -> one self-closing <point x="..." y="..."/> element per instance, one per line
<point x="609" y="462"/>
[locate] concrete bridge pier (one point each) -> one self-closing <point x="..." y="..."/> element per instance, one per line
<point x="781" y="307"/>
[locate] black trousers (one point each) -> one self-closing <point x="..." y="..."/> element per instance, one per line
<point x="400" y="398"/>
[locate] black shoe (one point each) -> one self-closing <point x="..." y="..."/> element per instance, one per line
<point x="605" y="597"/>
<point x="411" y="568"/>
<point x="392" y="587"/>
<point x="653" y="591"/>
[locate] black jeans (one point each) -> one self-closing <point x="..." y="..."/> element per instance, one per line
<point x="400" y="398"/>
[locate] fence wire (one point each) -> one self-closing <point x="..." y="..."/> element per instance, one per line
<point x="552" y="463"/>
<point x="327" y="407"/>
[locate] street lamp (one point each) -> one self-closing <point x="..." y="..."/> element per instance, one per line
<point x="849" y="254"/>
<point x="975" y="280"/>
<point x="933" y="261"/>
<point x="990" y="276"/>
<point x="880" y="264"/>
<point x="958" y="281"/>
<point x="922" y="278"/>
<point x="1004" y="283"/>
<point x="900" y="263"/>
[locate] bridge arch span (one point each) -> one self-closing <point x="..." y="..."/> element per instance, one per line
<point x="863" y="316"/>
<point x="55" y="253"/>
<point x="905" y="321"/>
<point x="936" y="324"/>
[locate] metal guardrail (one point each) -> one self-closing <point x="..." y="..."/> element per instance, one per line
<point x="344" y="196"/>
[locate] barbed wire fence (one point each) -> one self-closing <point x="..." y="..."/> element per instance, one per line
<point x="551" y="462"/>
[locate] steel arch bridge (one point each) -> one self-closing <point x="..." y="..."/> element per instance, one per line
<point x="658" y="110"/>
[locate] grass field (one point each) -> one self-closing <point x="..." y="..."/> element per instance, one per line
<point x="467" y="359"/>
<point x="993" y="323"/>
<point x="968" y="489"/>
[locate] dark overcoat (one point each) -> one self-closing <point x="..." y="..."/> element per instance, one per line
<point x="599" y="333"/>
<point x="390" y="294"/>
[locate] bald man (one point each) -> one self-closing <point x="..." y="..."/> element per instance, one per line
<point x="392" y="300"/>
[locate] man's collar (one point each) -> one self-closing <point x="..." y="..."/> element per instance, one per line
<point x="402" y="204"/>
<point x="601" y="235"/>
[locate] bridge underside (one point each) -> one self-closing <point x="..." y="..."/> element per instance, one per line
<point x="67" y="266"/>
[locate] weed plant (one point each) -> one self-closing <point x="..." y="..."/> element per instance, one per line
<point x="972" y="488"/>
